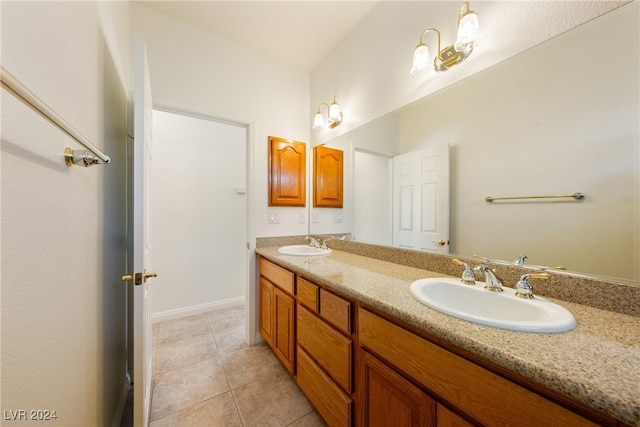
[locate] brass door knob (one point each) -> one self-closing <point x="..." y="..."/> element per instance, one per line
<point x="149" y="275"/>
<point x="440" y="242"/>
<point x="127" y="277"/>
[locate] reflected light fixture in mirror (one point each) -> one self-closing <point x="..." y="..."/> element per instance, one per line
<point x="468" y="35"/>
<point x="334" y="117"/>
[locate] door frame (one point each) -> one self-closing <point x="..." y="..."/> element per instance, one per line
<point x="251" y="297"/>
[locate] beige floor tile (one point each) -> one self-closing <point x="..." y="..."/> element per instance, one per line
<point x="227" y="318"/>
<point x="231" y="339"/>
<point x="249" y="364"/>
<point x="219" y="411"/>
<point x="280" y="401"/>
<point x="180" y="388"/>
<point x="172" y="355"/>
<point x="183" y="328"/>
<point x="312" y="419"/>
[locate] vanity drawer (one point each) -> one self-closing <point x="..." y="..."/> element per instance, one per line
<point x="336" y="311"/>
<point x="281" y="277"/>
<point x="326" y="345"/>
<point x="308" y="294"/>
<point x="331" y="402"/>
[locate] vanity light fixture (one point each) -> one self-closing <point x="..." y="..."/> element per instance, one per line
<point x="334" y="115"/>
<point x="468" y="35"/>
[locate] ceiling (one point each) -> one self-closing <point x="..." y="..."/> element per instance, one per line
<point x="301" y="33"/>
<point x="298" y="33"/>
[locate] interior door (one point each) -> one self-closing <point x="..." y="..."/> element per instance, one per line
<point x="421" y="199"/>
<point x="142" y="361"/>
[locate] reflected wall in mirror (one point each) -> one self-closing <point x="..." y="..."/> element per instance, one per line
<point x="561" y="117"/>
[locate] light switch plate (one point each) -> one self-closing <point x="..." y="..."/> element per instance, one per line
<point x="274" y="218"/>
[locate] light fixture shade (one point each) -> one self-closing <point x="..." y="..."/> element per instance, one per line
<point x="468" y="33"/>
<point x="334" y="110"/>
<point x="421" y="60"/>
<point x="318" y="120"/>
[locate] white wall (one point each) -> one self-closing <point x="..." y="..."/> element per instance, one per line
<point x="198" y="214"/>
<point x="63" y="229"/>
<point x="369" y="70"/>
<point x="200" y="72"/>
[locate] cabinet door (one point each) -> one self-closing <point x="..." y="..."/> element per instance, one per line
<point x="327" y="180"/>
<point x="388" y="399"/>
<point x="287" y="172"/>
<point x="266" y="310"/>
<point x="447" y="418"/>
<point x="284" y="339"/>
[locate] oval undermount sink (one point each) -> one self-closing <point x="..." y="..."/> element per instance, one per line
<point x="499" y="309"/>
<point x="303" y="250"/>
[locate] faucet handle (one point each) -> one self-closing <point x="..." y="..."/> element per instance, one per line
<point x="468" y="276"/>
<point x="313" y="241"/>
<point x="324" y="243"/>
<point x="519" y="260"/>
<point x="524" y="288"/>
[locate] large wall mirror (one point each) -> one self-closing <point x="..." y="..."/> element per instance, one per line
<point x="559" y="118"/>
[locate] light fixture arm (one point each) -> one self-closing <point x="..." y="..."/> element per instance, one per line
<point x="326" y="105"/>
<point x="430" y="30"/>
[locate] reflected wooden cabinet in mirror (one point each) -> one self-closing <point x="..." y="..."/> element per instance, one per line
<point x="327" y="177"/>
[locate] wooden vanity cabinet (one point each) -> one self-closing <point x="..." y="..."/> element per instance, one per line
<point x="412" y="370"/>
<point x="277" y="311"/>
<point x="325" y="352"/>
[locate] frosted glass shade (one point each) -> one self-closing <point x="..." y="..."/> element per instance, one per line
<point x="318" y="120"/>
<point x="334" y="111"/>
<point x="421" y="60"/>
<point x="468" y="33"/>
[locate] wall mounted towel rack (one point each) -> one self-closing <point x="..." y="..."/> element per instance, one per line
<point x="79" y="157"/>
<point x="576" y="196"/>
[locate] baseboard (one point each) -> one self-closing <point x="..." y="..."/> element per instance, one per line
<point x="196" y="309"/>
<point x="122" y="403"/>
<point x="259" y="339"/>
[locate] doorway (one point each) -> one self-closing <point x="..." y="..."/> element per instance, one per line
<point x="198" y="213"/>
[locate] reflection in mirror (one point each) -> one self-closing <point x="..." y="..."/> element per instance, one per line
<point x="552" y="120"/>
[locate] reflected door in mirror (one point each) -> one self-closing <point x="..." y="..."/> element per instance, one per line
<point x="421" y="199"/>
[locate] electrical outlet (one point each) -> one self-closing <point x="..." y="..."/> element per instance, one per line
<point x="302" y="217"/>
<point x="337" y="218"/>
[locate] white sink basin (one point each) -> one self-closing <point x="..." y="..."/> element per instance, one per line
<point x="303" y="250"/>
<point x="498" y="309"/>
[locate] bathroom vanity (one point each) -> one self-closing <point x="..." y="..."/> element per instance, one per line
<point x="366" y="353"/>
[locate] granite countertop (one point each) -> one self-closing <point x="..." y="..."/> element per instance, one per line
<point x="598" y="363"/>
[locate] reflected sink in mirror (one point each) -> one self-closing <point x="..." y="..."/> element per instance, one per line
<point x="498" y="309"/>
<point x="303" y="250"/>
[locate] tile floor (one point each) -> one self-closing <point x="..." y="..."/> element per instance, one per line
<point x="205" y="375"/>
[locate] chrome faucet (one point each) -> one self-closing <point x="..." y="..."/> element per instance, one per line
<point x="524" y="288"/>
<point x="468" y="276"/>
<point x="519" y="260"/>
<point x="324" y="243"/>
<point x="492" y="282"/>
<point x="313" y="241"/>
